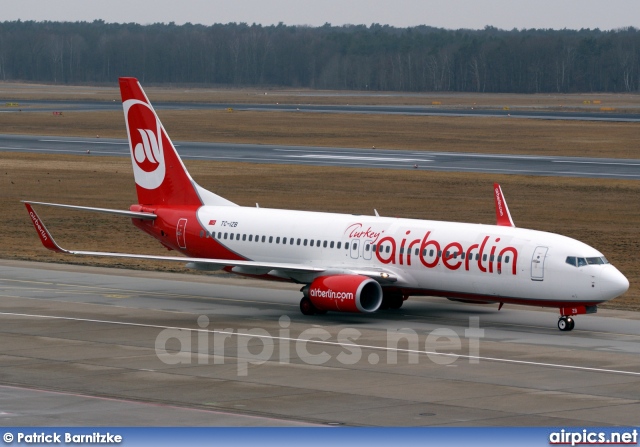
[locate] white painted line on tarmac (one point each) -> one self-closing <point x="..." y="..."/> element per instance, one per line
<point x="597" y="162"/>
<point x="331" y="343"/>
<point x="348" y="157"/>
<point x="84" y="142"/>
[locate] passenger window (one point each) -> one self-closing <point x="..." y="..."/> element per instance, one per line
<point x="284" y="240"/>
<point x="305" y="242"/>
<point x="311" y="242"/>
<point x="257" y="238"/>
<point x="331" y="244"/>
<point x="264" y="238"/>
<point x="484" y="257"/>
<point x="201" y="234"/>
<point x="270" y="239"/>
<point x="278" y="240"/>
<point x="244" y="237"/>
<point x="324" y="245"/>
<point x="462" y="255"/>
<point x="219" y="235"/>
<point x="346" y="245"/>
<point x="225" y="235"/>
<point x="388" y="248"/>
<point x="298" y="243"/>
<point x="238" y="237"/>
<point x="251" y="238"/>
<point x="366" y="247"/>
<point x="339" y="244"/>
<point x="506" y="259"/>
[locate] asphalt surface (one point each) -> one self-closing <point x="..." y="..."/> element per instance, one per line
<point x="349" y="157"/>
<point x="95" y="346"/>
<point x="52" y="106"/>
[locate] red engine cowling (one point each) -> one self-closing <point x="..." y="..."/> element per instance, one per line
<point x="345" y="293"/>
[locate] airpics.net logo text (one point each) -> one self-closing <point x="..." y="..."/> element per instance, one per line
<point x="313" y="346"/>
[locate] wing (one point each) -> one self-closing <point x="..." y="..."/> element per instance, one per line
<point x="296" y="272"/>
<point x="503" y="216"/>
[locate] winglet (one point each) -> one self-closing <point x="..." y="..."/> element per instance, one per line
<point x="45" y="236"/>
<point x="503" y="216"/>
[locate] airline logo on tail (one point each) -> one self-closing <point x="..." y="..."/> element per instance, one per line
<point x="145" y="139"/>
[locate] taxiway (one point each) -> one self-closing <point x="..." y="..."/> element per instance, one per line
<point x="95" y="346"/>
<point x="615" y="168"/>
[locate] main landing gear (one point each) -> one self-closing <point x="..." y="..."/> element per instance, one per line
<point x="307" y="308"/>
<point x="566" y="323"/>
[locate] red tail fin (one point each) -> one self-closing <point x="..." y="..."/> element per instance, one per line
<point x="161" y="177"/>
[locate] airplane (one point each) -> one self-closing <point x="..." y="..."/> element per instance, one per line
<point x="344" y="262"/>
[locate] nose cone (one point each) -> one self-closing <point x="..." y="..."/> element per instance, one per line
<point x="613" y="283"/>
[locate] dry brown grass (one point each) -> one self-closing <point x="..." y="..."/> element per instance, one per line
<point x="628" y="102"/>
<point x="602" y="213"/>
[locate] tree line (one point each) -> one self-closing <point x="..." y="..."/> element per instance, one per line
<point x="356" y="57"/>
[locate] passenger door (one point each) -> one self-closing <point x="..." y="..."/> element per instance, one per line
<point x="537" y="263"/>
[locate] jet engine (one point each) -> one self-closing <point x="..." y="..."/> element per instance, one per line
<point x="341" y="293"/>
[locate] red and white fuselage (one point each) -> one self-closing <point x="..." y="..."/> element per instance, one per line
<point x="455" y="260"/>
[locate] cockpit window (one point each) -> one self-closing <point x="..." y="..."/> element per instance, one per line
<point x="581" y="262"/>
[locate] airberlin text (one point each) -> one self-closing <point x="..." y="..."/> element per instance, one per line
<point x="487" y="255"/>
<point x="319" y="293"/>
<point x="36" y="222"/>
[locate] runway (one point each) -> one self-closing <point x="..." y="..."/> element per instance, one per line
<point x="614" y="168"/>
<point x="95" y="346"/>
<point x="97" y="106"/>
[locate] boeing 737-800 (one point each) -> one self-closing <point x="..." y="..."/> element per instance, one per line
<point x="348" y="263"/>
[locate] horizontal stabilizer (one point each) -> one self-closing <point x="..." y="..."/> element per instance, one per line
<point x="125" y="213"/>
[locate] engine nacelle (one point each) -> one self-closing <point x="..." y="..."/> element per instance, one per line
<point x="345" y="293"/>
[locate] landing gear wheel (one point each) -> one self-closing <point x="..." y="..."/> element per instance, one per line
<point x="566" y="323"/>
<point x="307" y="307"/>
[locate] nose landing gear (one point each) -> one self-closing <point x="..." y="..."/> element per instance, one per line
<point x="566" y="323"/>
